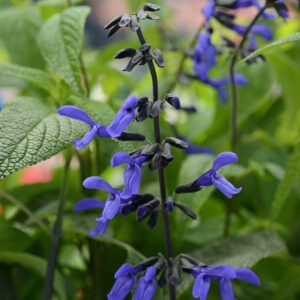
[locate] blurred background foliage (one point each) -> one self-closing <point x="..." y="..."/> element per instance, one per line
<point x="39" y="44"/>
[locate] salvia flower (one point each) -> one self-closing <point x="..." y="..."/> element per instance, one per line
<point x="204" y="59"/>
<point x="211" y="177"/>
<point x="110" y="208"/>
<point x="224" y="274"/>
<point x="125" y="278"/>
<point x="132" y="172"/>
<point x="146" y="286"/>
<point x="122" y="119"/>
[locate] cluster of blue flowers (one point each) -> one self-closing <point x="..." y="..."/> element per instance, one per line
<point x="205" y="53"/>
<point x="143" y="277"/>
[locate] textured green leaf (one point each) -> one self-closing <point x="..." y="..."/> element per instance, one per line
<point x="35" y="264"/>
<point x="60" y="41"/>
<point x="34" y="76"/>
<point x="31" y="132"/>
<point x="286" y="184"/>
<point x="242" y="251"/>
<point x="295" y="37"/>
<point x="18" y="31"/>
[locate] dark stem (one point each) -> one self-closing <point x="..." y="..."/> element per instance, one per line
<point x="234" y="111"/>
<point x="56" y="235"/>
<point x="162" y="186"/>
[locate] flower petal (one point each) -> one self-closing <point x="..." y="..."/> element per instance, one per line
<point x="222" y="271"/>
<point x="150" y="273"/>
<point x="123" y="270"/>
<point x="100" y="228"/>
<point x="247" y="275"/>
<point x="121" y="158"/>
<point x="224" y="186"/>
<point x="98" y="183"/>
<point x="76" y="113"/>
<point x="223" y="159"/>
<point x="132" y="181"/>
<point x="121" y="288"/>
<point x="80" y="144"/>
<point x="112" y="207"/>
<point x="263" y="30"/>
<point x="201" y="287"/>
<point x="88" y="203"/>
<point x="204" y="180"/>
<point x="124" y="116"/>
<point x="226" y="289"/>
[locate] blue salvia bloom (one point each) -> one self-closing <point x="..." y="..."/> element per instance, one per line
<point x="204" y="59"/>
<point x="110" y="208"/>
<point x="211" y="177"/>
<point x="132" y="172"/>
<point x="224" y="274"/>
<point x="122" y="119"/>
<point x="146" y="286"/>
<point x="125" y="278"/>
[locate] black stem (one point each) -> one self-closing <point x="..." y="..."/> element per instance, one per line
<point x="56" y="235"/>
<point x="234" y="126"/>
<point x="162" y="186"/>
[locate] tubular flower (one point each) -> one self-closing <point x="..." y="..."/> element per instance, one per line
<point x="110" y="208"/>
<point x="146" y="286"/>
<point x="211" y="177"/>
<point x="125" y="278"/>
<point x="224" y="274"/>
<point x="122" y="119"/>
<point x="132" y="173"/>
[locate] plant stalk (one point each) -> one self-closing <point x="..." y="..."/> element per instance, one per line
<point x="162" y="186"/>
<point x="56" y="235"/>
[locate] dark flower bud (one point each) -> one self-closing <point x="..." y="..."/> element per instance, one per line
<point x="174" y="274"/>
<point x="153" y="219"/>
<point x="125" y="20"/>
<point x="134" y="24"/>
<point x="151" y="7"/>
<point x="127" y="52"/>
<point x="145" y="210"/>
<point x="170" y="204"/>
<point x="173" y="100"/>
<point x="143" y="110"/>
<point x="112" y="23"/>
<point x="166" y="153"/>
<point x="178" y="143"/>
<point x="113" y="30"/>
<point x="158" y="58"/>
<point x="154" y="163"/>
<point x="141" y="14"/>
<point x="135" y="202"/>
<point x="187" y="211"/>
<point x="150" y="149"/>
<point x="126" y="136"/>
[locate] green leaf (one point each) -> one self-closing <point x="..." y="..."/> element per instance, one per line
<point x="295" y="37"/>
<point x="285" y="186"/>
<point x="36" y="77"/>
<point x="31" y="132"/>
<point x="18" y="31"/>
<point x="242" y="251"/>
<point x="60" y="41"/>
<point x="35" y="264"/>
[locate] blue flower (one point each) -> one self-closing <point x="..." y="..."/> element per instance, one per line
<point x="208" y="9"/>
<point x="132" y="173"/>
<point x="110" y="208"/>
<point x="122" y="119"/>
<point x="146" y="286"/>
<point x="224" y="274"/>
<point x="211" y="177"/>
<point x="204" y="59"/>
<point x="125" y="278"/>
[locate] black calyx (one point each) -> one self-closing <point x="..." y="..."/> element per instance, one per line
<point x="187" y="188"/>
<point x="187" y="211"/>
<point x="175" y="142"/>
<point x="127" y="136"/>
<point x="148" y="109"/>
<point x="132" y="21"/>
<point x="161" y="158"/>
